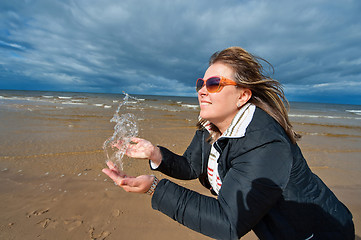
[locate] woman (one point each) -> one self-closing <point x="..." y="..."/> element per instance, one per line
<point x="245" y="152"/>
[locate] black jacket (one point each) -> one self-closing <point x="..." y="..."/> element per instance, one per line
<point x="267" y="187"/>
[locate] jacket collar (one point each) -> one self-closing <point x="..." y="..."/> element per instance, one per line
<point x="239" y="124"/>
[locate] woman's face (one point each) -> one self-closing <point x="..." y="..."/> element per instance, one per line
<point x="219" y="108"/>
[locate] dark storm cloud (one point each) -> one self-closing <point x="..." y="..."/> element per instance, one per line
<point x="161" y="47"/>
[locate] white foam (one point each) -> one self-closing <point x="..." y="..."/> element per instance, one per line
<point x="21" y="98"/>
<point x="357" y="112"/>
<point x="192" y="106"/>
<point x="322" y="116"/>
<point x="30" y="98"/>
<point x="132" y="102"/>
<point x="73" y="103"/>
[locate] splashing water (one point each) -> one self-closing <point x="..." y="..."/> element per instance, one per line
<point x="124" y="129"/>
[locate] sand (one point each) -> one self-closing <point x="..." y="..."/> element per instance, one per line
<point x="52" y="186"/>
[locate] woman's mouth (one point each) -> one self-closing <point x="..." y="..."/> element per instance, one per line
<point x="204" y="103"/>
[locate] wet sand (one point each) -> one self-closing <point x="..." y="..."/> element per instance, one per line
<point x="52" y="186"/>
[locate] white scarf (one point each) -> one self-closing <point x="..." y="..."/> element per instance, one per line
<point x="237" y="129"/>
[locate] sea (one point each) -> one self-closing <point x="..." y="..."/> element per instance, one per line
<point x="300" y="112"/>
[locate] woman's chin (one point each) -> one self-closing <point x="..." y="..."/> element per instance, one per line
<point x="202" y="115"/>
<point x="205" y="117"/>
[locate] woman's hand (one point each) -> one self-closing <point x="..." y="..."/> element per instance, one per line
<point x="140" y="184"/>
<point x="113" y="172"/>
<point x="141" y="148"/>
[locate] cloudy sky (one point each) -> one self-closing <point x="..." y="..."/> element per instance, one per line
<point x="161" y="47"/>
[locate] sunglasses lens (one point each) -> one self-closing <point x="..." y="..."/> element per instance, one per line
<point x="199" y="84"/>
<point x="212" y="84"/>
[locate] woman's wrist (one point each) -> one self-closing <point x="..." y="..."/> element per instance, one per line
<point x="153" y="186"/>
<point x="156" y="156"/>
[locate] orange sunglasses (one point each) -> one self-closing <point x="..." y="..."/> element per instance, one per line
<point x="214" y="84"/>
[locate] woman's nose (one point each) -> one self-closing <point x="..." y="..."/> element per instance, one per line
<point x="203" y="90"/>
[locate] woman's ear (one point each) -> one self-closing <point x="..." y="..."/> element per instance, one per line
<point x="245" y="95"/>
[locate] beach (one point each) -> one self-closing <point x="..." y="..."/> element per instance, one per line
<point x="51" y="159"/>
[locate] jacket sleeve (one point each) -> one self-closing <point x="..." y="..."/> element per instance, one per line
<point x="250" y="188"/>
<point x="186" y="167"/>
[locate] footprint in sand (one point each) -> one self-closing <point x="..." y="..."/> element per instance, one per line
<point x="116" y="212"/>
<point x="37" y="212"/>
<point x="101" y="236"/>
<point x="46" y="222"/>
<point x="73" y="222"/>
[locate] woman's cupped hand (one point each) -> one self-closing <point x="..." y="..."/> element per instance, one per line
<point x="140" y="184"/>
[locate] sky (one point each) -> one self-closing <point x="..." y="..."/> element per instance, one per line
<point x="160" y="47"/>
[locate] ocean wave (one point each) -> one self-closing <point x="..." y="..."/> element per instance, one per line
<point x="357" y="112"/>
<point x="12" y="98"/>
<point x="73" y="103"/>
<point x="134" y="108"/>
<point x="192" y="106"/>
<point x="323" y="116"/>
<point x="132" y="102"/>
<point x="164" y="108"/>
<point x="16" y="98"/>
<point x="342" y="135"/>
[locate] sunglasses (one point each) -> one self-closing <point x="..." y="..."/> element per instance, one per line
<point x="214" y="84"/>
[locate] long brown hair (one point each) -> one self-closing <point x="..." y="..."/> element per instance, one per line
<point x="267" y="93"/>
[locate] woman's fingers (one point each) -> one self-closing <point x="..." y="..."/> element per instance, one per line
<point x="141" y="148"/>
<point x="114" y="173"/>
<point x="112" y="166"/>
<point x="135" y="147"/>
<point x="140" y="184"/>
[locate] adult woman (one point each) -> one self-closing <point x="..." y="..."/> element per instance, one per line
<point x="245" y="152"/>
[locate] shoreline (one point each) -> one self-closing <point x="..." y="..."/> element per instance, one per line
<point x="53" y="188"/>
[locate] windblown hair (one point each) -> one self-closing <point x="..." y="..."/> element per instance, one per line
<point x="267" y="93"/>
